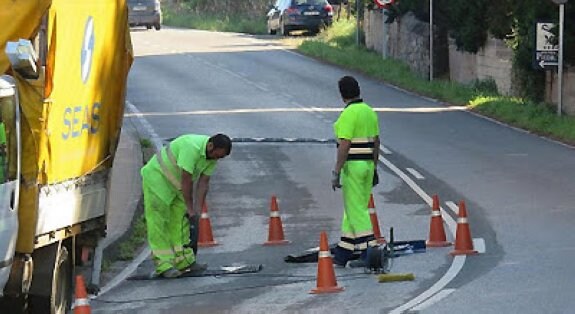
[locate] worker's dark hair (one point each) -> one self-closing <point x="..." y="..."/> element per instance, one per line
<point x="222" y="141"/>
<point x="348" y="87"/>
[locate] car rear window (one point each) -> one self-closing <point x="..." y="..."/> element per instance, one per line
<point x="308" y="2"/>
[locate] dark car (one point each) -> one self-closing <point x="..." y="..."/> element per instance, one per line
<point x="289" y="15"/>
<point x="145" y="13"/>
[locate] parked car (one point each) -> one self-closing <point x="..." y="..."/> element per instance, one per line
<point x="287" y="15"/>
<point x="145" y="13"/>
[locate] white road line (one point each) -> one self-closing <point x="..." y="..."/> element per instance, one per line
<point x="456" y="266"/>
<point x="125" y="273"/>
<point x="222" y="67"/>
<point x="385" y="150"/>
<point x="454" y="208"/>
<point x="434" y="299"/>
<point x="454" y="269"/>
<point x="157" y="141"/>
<point x="458" y="261"/>
<point x="426" y="198"/>
<point x="479" y="245"/>
<point x="415" y="173"/>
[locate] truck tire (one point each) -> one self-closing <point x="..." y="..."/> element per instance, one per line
<point x="16" y="305"/>
<point x="59" y="296"/>
<point x="157" y="26"/>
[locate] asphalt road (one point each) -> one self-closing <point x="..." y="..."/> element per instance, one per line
<point x="517" y="187"/>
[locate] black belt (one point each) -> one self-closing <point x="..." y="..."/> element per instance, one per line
<point x="360" y="157"/>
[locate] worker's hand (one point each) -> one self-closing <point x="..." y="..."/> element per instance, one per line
<point x="335" y="180"/>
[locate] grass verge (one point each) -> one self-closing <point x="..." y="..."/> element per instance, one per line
<point x="337" y="45"/>
<point x="181" y="16"/>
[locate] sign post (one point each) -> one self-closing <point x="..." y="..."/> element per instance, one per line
<point x="383" y="5"/>
<point x="546" y="50"/>
<point x="431" y="40"/>
<point x="561" y="4"/>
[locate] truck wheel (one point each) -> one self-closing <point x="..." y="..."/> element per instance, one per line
<point x="16" y="305"/>
<point x="157" y="26"/>
<point x="148" y="26"/>
<point x="58" y="300"/>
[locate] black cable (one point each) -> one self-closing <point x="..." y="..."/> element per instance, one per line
<point x="345" y="277"/>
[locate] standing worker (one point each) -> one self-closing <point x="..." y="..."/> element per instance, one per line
<point x="170" y="202"/>
<point x="357" y="134"/>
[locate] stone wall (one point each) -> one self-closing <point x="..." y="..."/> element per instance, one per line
<point x="407" y="39"/>
<point x="493" y="61"/>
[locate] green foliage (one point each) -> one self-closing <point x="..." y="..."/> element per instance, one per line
<point x="485" y="87"/>
<point x="185" y="15"/>
<point x="532" y="116"/>
<point x="244" y="16"/>
<point x="128" y="248"/>
<point x="251" y="8"/>
<point x="341" y="34"/>
<point x="480" y="96"/>
<point x="145" y="143"/>
<point x="470" y="22"/>
<point x="337" y="45"/>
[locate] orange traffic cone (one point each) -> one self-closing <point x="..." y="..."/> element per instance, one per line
<point x="374" y="221"/>
<point x="463" y="240"/>
<point x="276" y="231"/>
<point x="205" y="236"/>
<point x="81" y="304"/>
<point x="326" y="282"/>
<point x="436" y="232"/>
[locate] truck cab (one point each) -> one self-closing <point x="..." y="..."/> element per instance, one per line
<point x="9" y="174"/>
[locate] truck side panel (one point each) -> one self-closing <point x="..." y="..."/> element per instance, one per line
<point x="89" y="62"/>
<point x="71" y="114"/>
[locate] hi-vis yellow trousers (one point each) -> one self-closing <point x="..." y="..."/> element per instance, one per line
<point x="356" y="228"/>
<point x="168" y="232"/>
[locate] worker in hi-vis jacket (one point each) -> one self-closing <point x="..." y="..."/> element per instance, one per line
<point x="171" y="202"/>
<point x="357" y="134"/>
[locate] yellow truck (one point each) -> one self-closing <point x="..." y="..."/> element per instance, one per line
<point x="63" y="71"/>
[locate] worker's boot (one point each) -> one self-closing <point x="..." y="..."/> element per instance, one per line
<point x="171" y="273"/>
<point x="196" y="267"/>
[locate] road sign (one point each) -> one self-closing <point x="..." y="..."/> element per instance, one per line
<point x="383" y="3"/>
<point x="546" y="46"/>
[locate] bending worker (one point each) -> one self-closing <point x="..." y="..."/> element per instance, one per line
<point x="357" y="134"/>
<point x="168" y="184"/>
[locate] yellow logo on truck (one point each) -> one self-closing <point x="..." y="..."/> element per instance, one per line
<point x="87" y="49"/>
